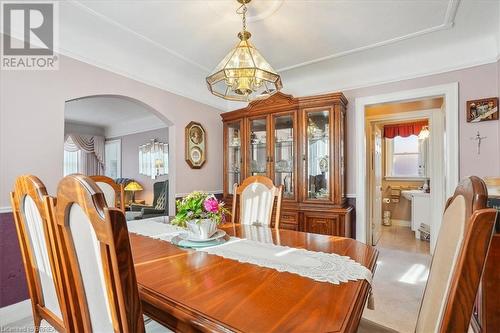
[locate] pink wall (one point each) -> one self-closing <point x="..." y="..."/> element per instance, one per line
<point x="32" y="123"/>
<point x="475" y="82"/>
<point x="130" y="160"/>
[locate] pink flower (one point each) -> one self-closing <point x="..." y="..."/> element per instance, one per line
<point x="211" y="205"/>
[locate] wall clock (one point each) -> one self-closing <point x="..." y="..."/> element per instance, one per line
<point x="196" y="149"/>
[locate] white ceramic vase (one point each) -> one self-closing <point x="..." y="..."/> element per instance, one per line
<point x="202" y="229"/>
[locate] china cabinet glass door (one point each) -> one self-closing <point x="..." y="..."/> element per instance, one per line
<point x="317" y="149"/>
<point x="284" y="154"/>
<point x="258" y="153"/>
<point x="234" y="157"/>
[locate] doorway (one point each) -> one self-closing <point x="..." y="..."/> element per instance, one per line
<point x="400" y="160"/>
<point x="445" y="174"/>
<point x="390" y="170"/>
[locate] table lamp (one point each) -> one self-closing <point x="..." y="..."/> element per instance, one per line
<point x="133" y="187"/>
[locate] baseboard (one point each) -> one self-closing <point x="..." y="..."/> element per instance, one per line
<point x="15" y="312"/>
<point x="6" y="209"/>
<point x="401" y="223"/>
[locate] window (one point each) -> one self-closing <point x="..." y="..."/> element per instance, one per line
<point x="113" y="158"/>
<point x="71" y="160"/>
<point x="406" y="157"/>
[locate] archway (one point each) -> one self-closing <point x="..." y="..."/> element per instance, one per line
<point x="121" y="126"/>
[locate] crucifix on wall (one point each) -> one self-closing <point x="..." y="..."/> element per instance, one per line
<point x="478" y="138"/>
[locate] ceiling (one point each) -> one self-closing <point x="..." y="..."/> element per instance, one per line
<point x="117" y="115"/>
<point x="316" y="45"/>
<point x="202" y="32"/>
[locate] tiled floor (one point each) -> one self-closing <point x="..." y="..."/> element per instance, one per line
<point x="399" y="282"/>
<point x="403" y="239"/>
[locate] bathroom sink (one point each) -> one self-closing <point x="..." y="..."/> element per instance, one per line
<point x="409" y="194"/>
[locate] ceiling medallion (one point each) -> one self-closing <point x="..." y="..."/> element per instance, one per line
<point x="243" y="74"/>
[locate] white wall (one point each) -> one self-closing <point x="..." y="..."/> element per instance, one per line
<point x="32" y="123"/>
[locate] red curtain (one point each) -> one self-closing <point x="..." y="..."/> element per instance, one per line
<point x="404" y="130"/>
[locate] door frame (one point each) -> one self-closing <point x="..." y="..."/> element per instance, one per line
<point x="447" y="173"/>
<point x="370" y="126"/>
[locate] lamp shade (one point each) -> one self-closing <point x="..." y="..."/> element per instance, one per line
<point x="424" y="133"/>
<point x="133" y="186"/>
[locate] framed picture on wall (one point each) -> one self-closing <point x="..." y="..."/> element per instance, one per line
<point x="196" y="140"/>
<point x="482" y="109"/>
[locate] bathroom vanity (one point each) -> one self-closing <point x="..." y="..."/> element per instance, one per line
<point x="420" y="208"/>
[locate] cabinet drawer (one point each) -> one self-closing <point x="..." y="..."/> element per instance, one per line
<point x="325" y="225"/>
<point x="289" y="218"/>
<point x="289" y="226"/>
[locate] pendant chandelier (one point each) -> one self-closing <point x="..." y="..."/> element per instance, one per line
<point x="243" y="74"/>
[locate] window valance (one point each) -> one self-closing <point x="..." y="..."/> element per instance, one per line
<point x="404" y="130"/>
<point x="87" y="144"/>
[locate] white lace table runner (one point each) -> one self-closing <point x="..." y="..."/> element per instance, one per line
<point x="154" y="227"/>
<point x="319" y="266"/>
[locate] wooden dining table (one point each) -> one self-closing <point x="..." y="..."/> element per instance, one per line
<point x="193" y="291"/>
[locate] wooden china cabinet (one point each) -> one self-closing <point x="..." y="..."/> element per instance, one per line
<point x="298" y="143"/>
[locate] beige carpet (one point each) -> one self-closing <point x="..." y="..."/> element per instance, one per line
<point x="400" y="278"/>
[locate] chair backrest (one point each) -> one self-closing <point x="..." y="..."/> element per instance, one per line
<point x="158" y="189"/>
<point x="458" y="261"/>
<point x="113" y="192"/>
<point x="97" y="258"/>
<point x="41" y="261"/>
<point x="257" y="195"/>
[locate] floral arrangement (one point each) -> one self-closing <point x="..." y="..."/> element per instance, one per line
<point x="198" y="206"/>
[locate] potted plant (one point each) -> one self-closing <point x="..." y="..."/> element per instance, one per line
<point x="200" y="213"/>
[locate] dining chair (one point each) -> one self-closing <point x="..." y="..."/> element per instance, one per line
<point x="97" y="259"/>
<point x="458" y="260"/>
<point x="113" y="192"/>
<point x="257" y="195"/>
<point x="41" y="260"/>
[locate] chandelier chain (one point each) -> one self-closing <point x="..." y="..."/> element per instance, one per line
<point x="242" y="10"/>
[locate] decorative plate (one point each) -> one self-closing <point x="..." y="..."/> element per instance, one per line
<point x="178" y="241"/>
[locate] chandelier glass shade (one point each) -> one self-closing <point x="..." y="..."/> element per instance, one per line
<point x="424" y="133"/>
<point x="153" y="159"/>
<point x="244" y="74"/>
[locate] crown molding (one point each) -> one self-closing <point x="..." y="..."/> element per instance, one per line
<point x="448" y="22"/>
<point x="343" y="88"/>
<point x="123" y="72"/>
<point x="142" y="37"/>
